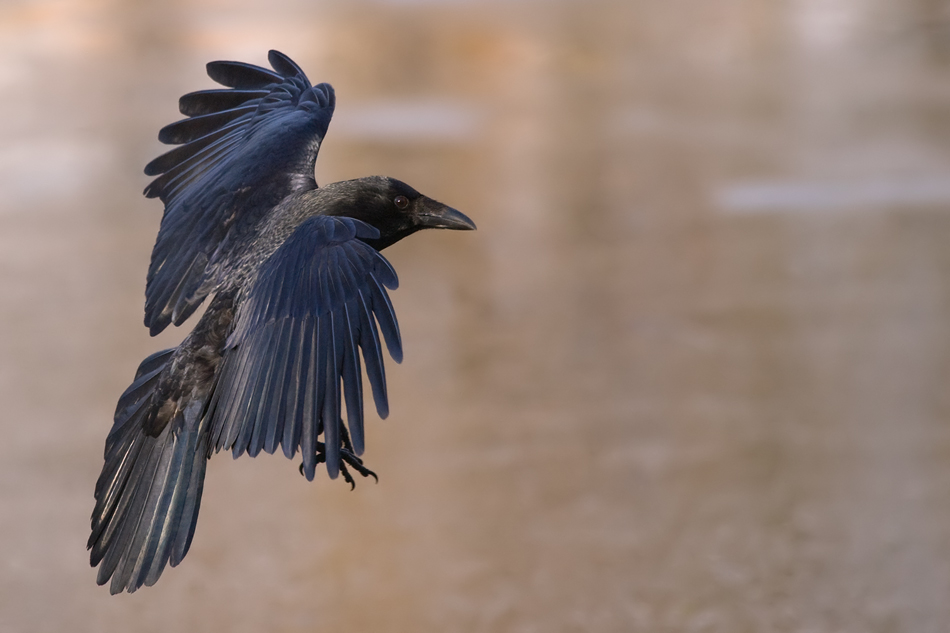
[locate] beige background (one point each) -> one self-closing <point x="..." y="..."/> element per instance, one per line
<point x="689" y="375"/>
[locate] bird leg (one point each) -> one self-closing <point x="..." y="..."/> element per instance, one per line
<point x="353" y="460"/>
<point x="348" y="457"/>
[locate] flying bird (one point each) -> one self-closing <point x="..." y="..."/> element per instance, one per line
<point x="298" y="295"/>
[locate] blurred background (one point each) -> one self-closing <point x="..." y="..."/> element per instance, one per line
<point x="690" y="374"/>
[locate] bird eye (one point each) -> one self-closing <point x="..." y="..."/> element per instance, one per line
<point x="401" y="202"/>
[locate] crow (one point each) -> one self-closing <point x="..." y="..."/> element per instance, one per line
<point x="297" y="289"/>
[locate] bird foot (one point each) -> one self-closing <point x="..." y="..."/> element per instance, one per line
<point x="348" y="458"/>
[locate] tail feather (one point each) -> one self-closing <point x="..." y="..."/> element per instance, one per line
<point x="149" y="492"/>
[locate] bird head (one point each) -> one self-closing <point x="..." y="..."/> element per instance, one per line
<point x="395" y="209"/>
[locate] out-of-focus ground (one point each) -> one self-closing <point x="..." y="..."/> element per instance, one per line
<point x="690" y="374"/>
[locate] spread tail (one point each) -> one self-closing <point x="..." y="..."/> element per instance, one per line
<point x="148" y="494"/>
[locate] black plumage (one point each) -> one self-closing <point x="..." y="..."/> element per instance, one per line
<point x="298" y="295"/>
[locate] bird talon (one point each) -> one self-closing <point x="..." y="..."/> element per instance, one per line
<point x="321" y="457"/>
<point x="347" y="477"/>
<point x="357" y="464"/>
<point x="348" y="457"/>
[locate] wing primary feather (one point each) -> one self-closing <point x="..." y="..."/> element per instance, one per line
<point x="302" y="375"/>
<point x="167" y="186"/>
<point x="258" y="417"/>
<point x="236" y="396"/>
<point x="341" y="336"/>
<point x="373" y="356"/>
<point x="290" y="404"/>
<point x="386" y="316"/>
<point x="278" y="390"/>
<point x="251" y="399"/>
<point x="210" y="101"/>
<point x="184" y="160"/>
<point x="180" y="299"/>
<point x="257" y="348"/>
<point x="172" y="290"/>
<point x="384" y="272"/>
<point x="331" y="402"/>
<point x="187" y="152"/>
<point x="241" y="75"/>
<point x="308" y="410"/>
<point x="353" y="383"/>
<point x="284" y="65"/>
<point x="321" y="347"/>
<point x="193" y="128"/>
<point x="161" y="286"/>
<point x="252" y="384"/>
<point x="251" y="433"/>
<point x="279" y="290"/>
<point x="352" y="370"/>
<point x="220" y="399"/>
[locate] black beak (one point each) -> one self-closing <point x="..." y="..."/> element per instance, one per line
<point x="435" y="215"/>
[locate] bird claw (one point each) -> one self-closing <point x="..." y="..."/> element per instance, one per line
<point x="356" y="464"/>
<point x="348" y="458"/>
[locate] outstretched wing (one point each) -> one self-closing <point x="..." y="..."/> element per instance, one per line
<point x="241" y="151"/>
<point x="315" y="301"/>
